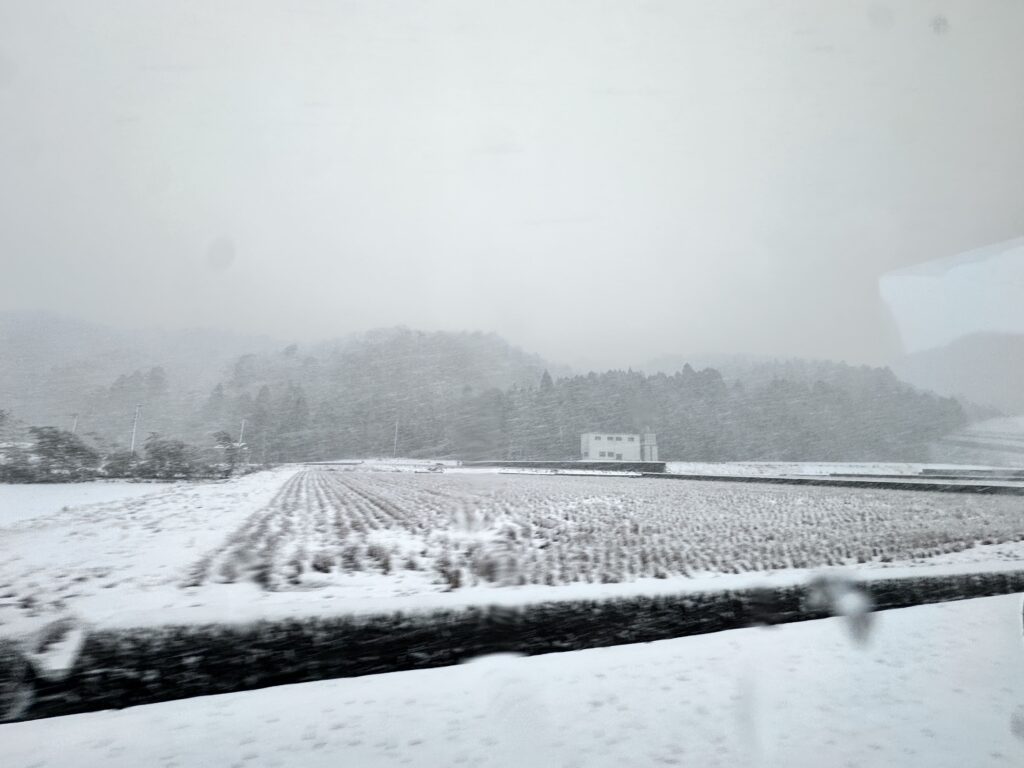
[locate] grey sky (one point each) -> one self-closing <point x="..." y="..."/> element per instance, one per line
<point x="604" y="182"/>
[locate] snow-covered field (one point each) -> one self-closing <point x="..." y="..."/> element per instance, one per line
<point x="938" y="686"/>
<point x="294" y="541"/>
<point x="110" y="554"/>
<point x="291" y="542"/>
<point x="811" y="468"/>
<point x="23" y="502"/>
<point x="996" y="441"/>
<point x="468" y="530"/>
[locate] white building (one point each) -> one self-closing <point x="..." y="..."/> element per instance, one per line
<point x="602" y="446"/>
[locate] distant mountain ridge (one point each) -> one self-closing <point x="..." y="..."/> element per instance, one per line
<point x="979" y="372"/>
<point x="758" y="369"/>
<point x="446" y="394"/>
<point x="50" y="365"/>
<point x="987" y="368"/>
<point x="53" y="367"/>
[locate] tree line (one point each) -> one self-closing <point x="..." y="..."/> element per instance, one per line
<point x="30" y="454"/>
<point x="862" y="414"/>
<point x="473" y="396"/>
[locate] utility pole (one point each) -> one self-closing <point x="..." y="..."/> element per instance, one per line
<point x="394" y="452"/>
<point x="135" y="425"/>
<point x="241" y="433"/>
<point x="74" y="425"/>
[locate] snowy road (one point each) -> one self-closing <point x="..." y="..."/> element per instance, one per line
<point x="939" y="685"/>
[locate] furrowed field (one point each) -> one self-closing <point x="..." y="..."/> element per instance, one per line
<point x="309" y="541"/>
<point x="494" y="529"/>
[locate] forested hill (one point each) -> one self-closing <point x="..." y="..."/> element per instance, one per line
<point x="56" y="368"/>
<point x="53" y="366"/>
<point x="351" y="406"/>
<point x="469" y="395"/>
<point x="345" y="400"/>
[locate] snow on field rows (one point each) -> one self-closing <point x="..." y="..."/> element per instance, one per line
<point x="939" y="686"/>
<point x="107" y="552"/>
<point x="306" y="542"/>
<point x="466" y="530"/>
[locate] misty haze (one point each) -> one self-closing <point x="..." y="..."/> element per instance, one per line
<point x="475" y="383"/>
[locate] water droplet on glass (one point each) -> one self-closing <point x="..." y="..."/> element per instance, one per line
<point x="939" y="24"/>
<point x="1017" y="722"/>
<point x="841" y="595"/>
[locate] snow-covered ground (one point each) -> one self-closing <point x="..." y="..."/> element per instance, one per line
<point x="367" y="593"/>
<point x="813" y="468"/>
<point x="938" y="686"/>
<point x="111" y="553"/>
<point x="25" y="501"/>
<point x="395" y="465"/>
<point x="996" y="441"/>
<point x="724" y="468"/>
<point x="345" y="535"/>
<point x="191" y="552"/>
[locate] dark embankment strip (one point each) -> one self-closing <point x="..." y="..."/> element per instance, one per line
<point x="928" y="486"/>
<point x="989" y="474"/>
<point x="127" y="667"/>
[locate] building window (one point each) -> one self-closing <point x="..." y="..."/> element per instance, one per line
<point x="597" y="437"/>
<point x="632" y="439"/>
<point x="619" y="439"/>
<point x="602" y="454"/>
<point x="618" y="456"/>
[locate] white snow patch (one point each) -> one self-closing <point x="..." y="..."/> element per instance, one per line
<point x="108" y="557"/>
<point x="26" y="501"/>
<point x="804" y="468"/>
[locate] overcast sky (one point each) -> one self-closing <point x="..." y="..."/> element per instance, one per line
<point x="598" y="182"/>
